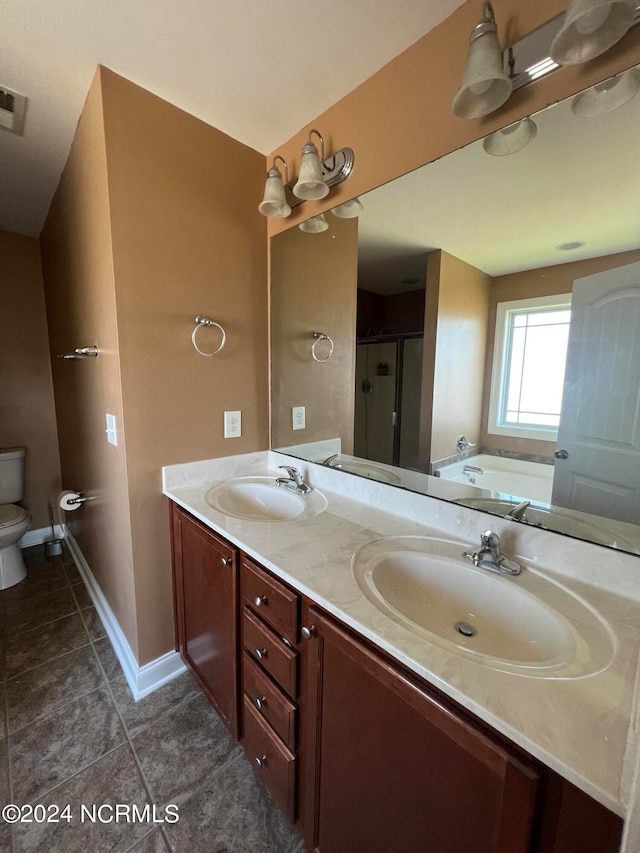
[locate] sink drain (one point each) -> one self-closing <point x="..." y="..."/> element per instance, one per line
<point x="465" y="629"/>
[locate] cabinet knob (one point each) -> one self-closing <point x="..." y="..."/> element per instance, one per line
<point x="260" y="600"/>
<point x="261" y="761"/>
<point x="261" y="653"/>
<point x="260" y="703"/>
<point x="225" y="561"/>
<point x="307" y="633"/>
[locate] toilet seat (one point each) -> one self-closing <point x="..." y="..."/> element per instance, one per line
<point x="11" y="514"/>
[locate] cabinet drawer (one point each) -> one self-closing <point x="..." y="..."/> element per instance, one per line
<point x="270" y="702"/>
<point x="270" y="758"/>
<point x="272" y="654"/>
<point x="277" y="605"/>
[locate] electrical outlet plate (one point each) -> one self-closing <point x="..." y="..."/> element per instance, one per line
<point x="112" y="435"/>
<point x="298" y="417"/>
<point x="232" y="424"/>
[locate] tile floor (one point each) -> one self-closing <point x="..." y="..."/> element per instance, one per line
<point x="71" y="733"/>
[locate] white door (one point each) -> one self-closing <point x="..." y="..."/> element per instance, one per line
<point x="597" y="467"/>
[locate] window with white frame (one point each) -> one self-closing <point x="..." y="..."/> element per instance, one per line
<point x="529" y="357"/>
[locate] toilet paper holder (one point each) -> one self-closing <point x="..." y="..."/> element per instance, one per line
<point x="71" y="500"/>
<point x="81" y="352"/>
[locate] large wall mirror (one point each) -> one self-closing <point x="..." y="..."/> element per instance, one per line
<point x="474" y="333"/>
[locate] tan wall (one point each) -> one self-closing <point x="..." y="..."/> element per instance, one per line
<point x="400" y="118"/>
<point x="546" y="281"/>
<point x="79" y="288"/>
<point x="456" y="368"/>
<point x="313" y="288"/>
<point x="187" y="240"/>
<point x="27" y="409"/>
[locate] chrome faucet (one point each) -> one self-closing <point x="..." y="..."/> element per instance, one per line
<point x="330" y="459"/>
<point x="490" y="557"/>
<point x="518" y="512"/>
<point x="294" y="481"/>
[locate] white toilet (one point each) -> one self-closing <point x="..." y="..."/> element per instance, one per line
<point x="14" y="520"/>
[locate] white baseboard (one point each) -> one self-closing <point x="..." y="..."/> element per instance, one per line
<point x="37" y="537"/>
<point x="142" y="680"/>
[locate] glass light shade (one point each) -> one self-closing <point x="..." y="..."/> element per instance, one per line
<point x="590" y="28"/>
<point x="310" y="184"/>
<point x="607" y="96"/>
<point x="274" y="204"/>
<point x="511" y="139"/>
<point x="348" y="209"/>
<point x="485" y="86"/>
<point x="314" y="225"/>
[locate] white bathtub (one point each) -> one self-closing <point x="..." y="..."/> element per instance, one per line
<point x="504" y="478"/>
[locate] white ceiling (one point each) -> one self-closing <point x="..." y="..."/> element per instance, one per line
<point x="579" y="180"/>
<point x="258" y="71"/>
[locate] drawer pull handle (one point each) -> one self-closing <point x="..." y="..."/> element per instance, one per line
<point x="261" y="761"/>
<point x="261" y="654"/>
<point x="308" y="633"/>
<point x="260" y="703"/>
<point x="225" y="561"/>
<point x="260" y="601"/>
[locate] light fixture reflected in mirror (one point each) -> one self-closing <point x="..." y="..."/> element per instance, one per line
<point x="348" y="209"/>
<point x="311" y="184"/>
<point x="314" y="225"/>
<point x="590" y="28"/>
<point x="510" y="139"/>
<point x="607" y="96"/>
<point x="485" y="85"/>
<point x="274" y="204"/>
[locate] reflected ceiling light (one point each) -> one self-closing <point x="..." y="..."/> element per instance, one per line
<point x="274" y="204"/>
<point x="570" y="247"/>
<point x="311" y="183"/>
<point x="348" y="209"/>
<point x="510" y="139"/>
<point x="590" y="28"/>
<point x="607" y="96"/>
<point x="485" y="85"/>
<point x="314" y="225"/>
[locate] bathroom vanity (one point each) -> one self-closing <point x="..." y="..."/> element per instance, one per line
<point x="369" y="737"/>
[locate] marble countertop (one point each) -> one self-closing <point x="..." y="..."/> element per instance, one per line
<point x="580" y="727"/>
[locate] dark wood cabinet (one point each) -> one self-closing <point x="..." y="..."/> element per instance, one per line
<point x="206" y="611"/>
<point x="362" y="754"/>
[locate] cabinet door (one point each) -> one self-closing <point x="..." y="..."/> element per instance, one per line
<point x="397" y="769"/>
<point x="206" y="595"/>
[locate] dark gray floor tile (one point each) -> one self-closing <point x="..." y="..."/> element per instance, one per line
<point x="94" y="625"/>
<point x="42" y="690"/>
<point x="113" y="779"/>
<point x="30" y="613"/>
<point x="152" y="843"/>
<point x="82" y="596"/>
<point x="181" y="749"/>
<point x="71" y="571"/>
<point x="40" y="580"/>
<point x="56" y="747"/>
<point x="232" y="813"/>
<point x="138" y="715"/>
<point x="5" y="837"/>
<point x="4" y="772"/>
<point x="34" y="647"/>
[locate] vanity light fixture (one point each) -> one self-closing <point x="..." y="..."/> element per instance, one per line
<point x="607" y="96"/>
<point x="510" y="139"/>
<point x="314" y="225"/>
<point x="311" y="184"/>
<point x="275" y="204"/>
<point x="485" y="84"/>
<point x="348" y="209"/>
<point x="590" y="28"/>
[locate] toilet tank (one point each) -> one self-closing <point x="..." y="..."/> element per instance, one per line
<point x="12" y="474"/>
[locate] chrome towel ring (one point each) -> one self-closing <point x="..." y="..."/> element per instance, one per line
<point x="320" y="336"/>
<point x="201" y="321"/>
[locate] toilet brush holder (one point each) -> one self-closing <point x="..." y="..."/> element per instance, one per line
<point x="53" y="546"/>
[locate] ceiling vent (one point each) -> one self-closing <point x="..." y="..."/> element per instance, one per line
<point x="12" y="109"/>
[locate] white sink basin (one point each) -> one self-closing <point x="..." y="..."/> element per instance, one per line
<point x="526" y="624"/>
<point x="259" y="499"/>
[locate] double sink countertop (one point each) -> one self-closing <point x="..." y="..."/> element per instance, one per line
<point x="583" y="728"/>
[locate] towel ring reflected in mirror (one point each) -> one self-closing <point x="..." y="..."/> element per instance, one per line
<point x="201" y="321"/>
<point x="321" y="336"/>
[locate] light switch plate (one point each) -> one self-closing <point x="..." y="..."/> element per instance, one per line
<point x="112" y="435"/>
<point x="298" y="417"/>
<point x="232" y="424"/>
